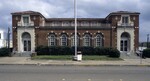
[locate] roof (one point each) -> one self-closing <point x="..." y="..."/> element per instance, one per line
<point x="124" y="12"/>
<point x="27" y="12"/>
<point x="70" y="19"/>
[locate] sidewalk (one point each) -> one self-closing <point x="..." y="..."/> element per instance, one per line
<point x="28" y="61"/>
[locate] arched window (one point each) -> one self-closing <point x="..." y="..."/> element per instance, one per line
<point x="73" y="40"/>
<point x="63" y="40"/>
<point x="87" y="40"/>
<point x="52" y="40"/>
<point x="99" y="40"/>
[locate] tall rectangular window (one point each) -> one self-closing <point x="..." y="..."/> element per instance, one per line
<point x="73" y="40"/>
<point x="125" y="19"/>
<point x="63" y="40"/>
<point x="26" y="20"/>
<point x="52" y="40"/>
<point x="86" y="40"/>
<point x="99" y="40"/>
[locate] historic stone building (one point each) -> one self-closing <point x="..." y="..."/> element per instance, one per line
<point x="118" y="30"/>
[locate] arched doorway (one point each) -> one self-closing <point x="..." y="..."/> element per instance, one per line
<point x="125" y="42"/>
<point x="26" y="41"/>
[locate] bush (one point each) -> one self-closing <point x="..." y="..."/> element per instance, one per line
<point x="146" y="53"/>
<point x="87" y="50"/>
<point x="4" y="52"/>
<point x="114" y="53"/>
<point x="102" y="51"/>
<point x="53" y="50"/>
<point x="64" y="50"/>
<point x="42" y="50"/>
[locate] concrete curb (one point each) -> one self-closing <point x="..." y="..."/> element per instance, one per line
<point x="40" y="64"/>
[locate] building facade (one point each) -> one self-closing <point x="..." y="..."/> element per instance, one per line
<point x="118" y="30"/>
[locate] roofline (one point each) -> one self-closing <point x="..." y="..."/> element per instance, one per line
<point x="49" y="19"/>
<point x="35" y="13"/>
<point x="115" y="13"/>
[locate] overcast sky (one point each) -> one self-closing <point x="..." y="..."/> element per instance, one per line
<point x="85" y="9"/>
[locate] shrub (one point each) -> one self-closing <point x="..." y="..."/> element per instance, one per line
<point x="42" y="50"/>
<point x="114" y="53"/>
<point x="146" y="53"/>
<point x="87" y="50"/>
<point x="84" y="50"/>
<point x="102" y="51"/>
<point x="4" y="51"/>
<point x="53" y="50"/>
<point x="64" y="50"/>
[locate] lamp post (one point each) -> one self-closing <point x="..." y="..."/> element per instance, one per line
<point x="147" y="40"/>
<point x="8" y="41"/>
<point x="75" y="20"/>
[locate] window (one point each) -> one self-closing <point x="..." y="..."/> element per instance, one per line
<point x="26" y="20"/>
<point x="94" y="23"/>
<point x="84" y="23"/>
<point x="99" y="41"/>
<point x="72" y="23"/>
<point x="87" y="40"/>
<point x="63" y="40"/>
<point x="56" y="23"/>
<point x="66" y="23"/>
<point x="52" y="40"/>
<point x="125" y="19"/>
<point x="73" y="40"/>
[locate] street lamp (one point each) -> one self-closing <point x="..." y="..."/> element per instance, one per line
<point x="75" y="20"/>
<point x="147" y="40"/>
<point x="8" y="41"/>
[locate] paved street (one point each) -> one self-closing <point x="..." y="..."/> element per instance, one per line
<point x="73" y="73"/>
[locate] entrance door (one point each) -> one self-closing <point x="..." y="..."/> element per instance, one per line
<point x="125" y="42"/>
<point x="26" y="41"/>
<point x="27" y="45"/>
<point x="124" y="45"/>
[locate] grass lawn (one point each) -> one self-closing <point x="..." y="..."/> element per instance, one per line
<point x="69" y="57"/>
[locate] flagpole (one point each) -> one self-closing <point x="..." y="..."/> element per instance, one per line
<point x="75" y="20"/>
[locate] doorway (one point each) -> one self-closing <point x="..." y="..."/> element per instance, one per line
<point x="125" y="42"/>
<point x="26" y="40"/>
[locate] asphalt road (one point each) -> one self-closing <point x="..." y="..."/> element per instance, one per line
<point x="73" y="73"/>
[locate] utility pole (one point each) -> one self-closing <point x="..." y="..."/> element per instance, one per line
<point x="147" y="40"/>
<point x="8" y="41"/>
<point x="75" y="20"/>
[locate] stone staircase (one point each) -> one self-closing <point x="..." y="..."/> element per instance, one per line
<point x="125" y="55"/>
<point x="22" y="54"/>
